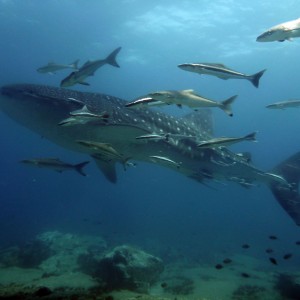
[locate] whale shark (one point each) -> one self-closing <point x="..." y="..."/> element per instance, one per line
<point x="41" y="109"/>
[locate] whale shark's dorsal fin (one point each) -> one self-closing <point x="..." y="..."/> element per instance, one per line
<point x="108" y="169"/>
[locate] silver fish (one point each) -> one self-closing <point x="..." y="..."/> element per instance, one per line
<point x="281" y="32"/>
<point x="192" y="100"/>
<point x="226" y="141"/>
<point x="164" y="160"/>
<point x="55" y="164"/>
<point x="40" y="108"/>
<point x="144" y="101"/>
<point x="89" y="69"/>
<point x="284" y="104"/>
<point x="83" y="116"/>
<point x="85" y="112"/>
<point x="52" y="67"/>
<point x="221" y="71"/>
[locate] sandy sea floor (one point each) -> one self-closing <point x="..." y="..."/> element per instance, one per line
<point x="178" y="281"/>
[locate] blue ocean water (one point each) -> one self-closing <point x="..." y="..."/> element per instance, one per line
<point x="150" y="206"/>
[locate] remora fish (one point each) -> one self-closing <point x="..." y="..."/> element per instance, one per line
<point x="144" y="101"/>
<point x="192" y="100"/>
<point x="89" y="69"/>
<point x="281" y="32"/>
<point x="164" y="160"/>
<point x="105" y="152"/>
<point x="284" y="104"/>
<point x="226" y="141"/>
<point x="40" y="108"/>
<point x="83" y="116"/>
<point x="220" y="71"/>
<point x="52" y="67"/>
<point x="55" y="164"/>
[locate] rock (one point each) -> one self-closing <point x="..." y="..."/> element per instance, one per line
<point x="42" y="292"/>
<point x="68" y="248"/>
<point x="129" y="268"/>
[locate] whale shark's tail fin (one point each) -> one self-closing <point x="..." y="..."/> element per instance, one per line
<point x="288" y="196"/>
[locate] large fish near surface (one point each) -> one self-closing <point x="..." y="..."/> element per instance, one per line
<point x="41" y="108"/>
<point x="221" y="71"/>
<point x="89" y="69"/>
<point x="281" y="32"/>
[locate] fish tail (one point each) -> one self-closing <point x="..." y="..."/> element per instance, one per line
<point x="288" y="195"/>
<point x="74" y="64"/>
<point x="79" y="167"/>
<point x="251" y="136"/>
<point x="226" y="105"/>
<point x="256" y="77"/>
<point x="111" y="58"/>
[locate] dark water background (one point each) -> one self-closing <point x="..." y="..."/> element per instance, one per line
<point x="156" y="209"/>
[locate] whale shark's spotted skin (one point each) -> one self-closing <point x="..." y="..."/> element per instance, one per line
<point x="41" y="108"/>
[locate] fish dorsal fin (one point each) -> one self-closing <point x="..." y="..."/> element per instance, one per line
<point x="108" y="169"/>
<point x="219" y="65"/>
<point x="189" y="91"/>
<point x="85" y="109"/>
<point x="86" y="63"/>
<point x="201" y="120"/>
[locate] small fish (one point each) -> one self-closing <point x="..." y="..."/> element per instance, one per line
<point x="82" y="117"/>
<point x="85" y="112"/>
<point x="273" y="237"/>
<point x="284" y="104"/>
<point x="70" y="99"/>
<point x="245" y="246"/>
<point x="219" y="266"/>
<point x="165" y="160"/>
<point x="103" y="149"/>
<point x="297" y="243"/>
<point x="227" y="261"/>
<point x="52" y="67"/>
<point x="89" y="69"/>
<point x="281" y="32"/>
<point x="220" y="71"/>
<point x="164" y="285"/>
<point x="273" y="260"/>
<point x="287" y="256"/>
<point x="55" y="164"/>
<point x="71" y="121"/>
<point x="190" y="99"/>
<point x="167" y="137"/>
<point x="245" y="275"/>
<point x="145" y="101"/>
<point x="106" y="152"/>
<point x="153" y="136"/>
<point x="269" y="250"/>
<point x="226" y="141"/>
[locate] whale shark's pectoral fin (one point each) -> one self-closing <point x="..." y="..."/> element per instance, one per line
<point x="107" y="167"/>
